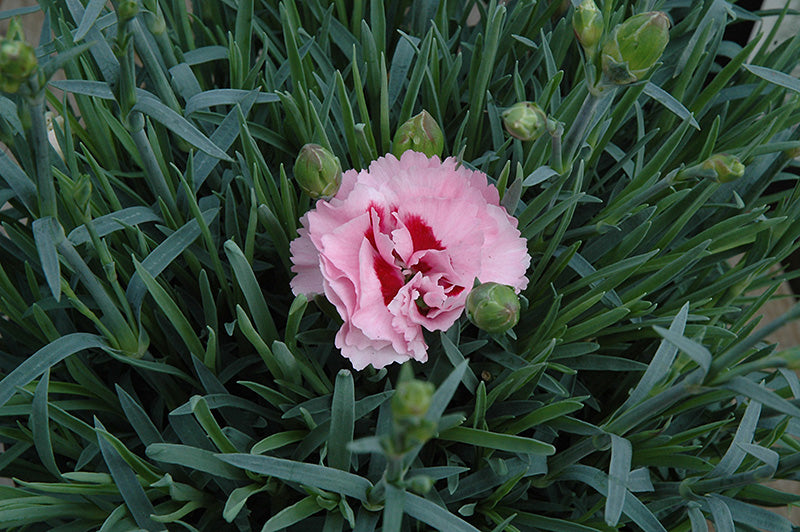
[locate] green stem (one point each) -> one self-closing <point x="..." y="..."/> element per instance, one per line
<point x="167" y="52"/>
<point x="109" y="267"/>
<point x="556" y="158"/>
<point x="211" y="245"/>
<point x="123" y="335"/>
<point x="152" y="170"/>
<point x="184" y="28"/>
<point x="134" y="120"/>
<point x="153" y="67"/>
<point x="577" y="132"/>
<point x="394" y="470"/>
<point x="45" y="185"/>
<point x="81" y="307"/>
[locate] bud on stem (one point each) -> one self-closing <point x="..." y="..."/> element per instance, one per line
<point x="720" y="167"/>
<point x="726" y="168"/>
<point x="634" y="47"/>
<point x="411" y="399"/>
<point x="525" y="121"/>
<point x="317" y="171"/>
<point x="17" y="59"/>
<point x="419" y="133"/>
<point x="126" y="10"/>
<point x="493" y="307"/>
<point x="587" y="21"/>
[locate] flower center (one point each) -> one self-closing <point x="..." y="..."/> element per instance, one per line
<point x="389" y="266"/>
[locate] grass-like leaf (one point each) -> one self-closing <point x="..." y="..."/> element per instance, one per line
<point x="434" y="515"/>
<point x="129" y="487"/>
<point x="618" y="474"/>
<point x="776" y="77"/>
<point x="193" y="458"/>
<point x="47" y="233"/>
<point x="342" y="419"/>
<point x="45" y="358"/>
<point x="252" y="292"/>
<point x="317" y="476"/>
<point x="292" y="514"/>
<point x="504" y="442"/>
<point x="109" y="223"/>
<point x="164" y="254"/>
<point x="159" y="112"/>
<point x="171" y="310"/>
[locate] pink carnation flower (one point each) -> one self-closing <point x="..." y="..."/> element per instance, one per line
<point x="398" y="249"/>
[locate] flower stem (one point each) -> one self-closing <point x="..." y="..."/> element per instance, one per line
<point x="556" y="130"/>
<point x="41" y="148"/>
<point x="394" y="470"/>
<point x="134" y="120"/>
<point x="108" y="266"/>
<point x="151" y="168"/>
<point x="153" y="67"/>
<point x="123" y="335"/>
<point x="577" y="132"/>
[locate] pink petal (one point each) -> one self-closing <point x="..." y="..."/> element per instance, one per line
<point x="398" y="248"/>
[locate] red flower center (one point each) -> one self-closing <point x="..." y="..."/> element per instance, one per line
<point x="390" y="274"/>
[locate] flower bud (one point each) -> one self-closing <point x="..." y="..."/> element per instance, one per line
<point x="493" y="307"/>
<point x="82" y="192"/>
<point x="726" y="168"/>
<point x="525" y="121"/>
<point x="587" y="21"/>
<point x="126" y="10"/>
<point x="411" y="399"/>
<point x="420" y="484"/>
<point x="17" y="63"/>
<point x="317" y="171"/>
<point x="634" y="47"/>
<point x="419" y="133"/>
<point x="154" y="18"/>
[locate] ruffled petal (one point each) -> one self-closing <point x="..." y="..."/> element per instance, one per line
<point x="397" y="250"/>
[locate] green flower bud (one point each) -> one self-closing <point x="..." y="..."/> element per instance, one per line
<point x="493" y="307"/>
<point x="420" y="484"/>
<point x="587" y="21"/>
<point x="525" y="121"/>
<point x="419" y="133"/>
<point x="82" y="191"/>
<point x="317" y="171"/>
<point x="411" y="399"/>
<point x="634" y="47"/>
<point x="156" y="23"/>
<point x="17" y="63"/>
<point x="126" y="10"/>
<point x="154" y="18"/>
<point x="726" y="168"/>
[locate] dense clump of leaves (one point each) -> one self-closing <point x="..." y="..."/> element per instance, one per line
<point x="157" y="372"/>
